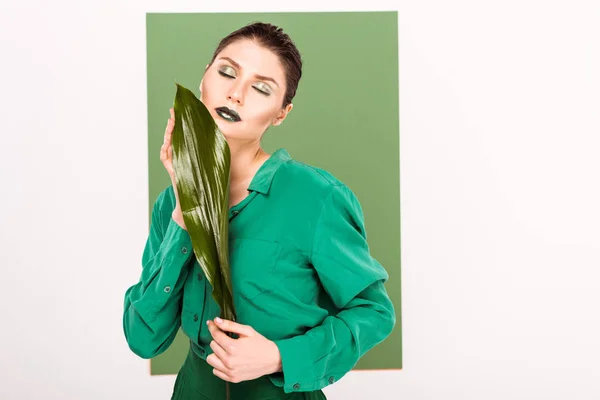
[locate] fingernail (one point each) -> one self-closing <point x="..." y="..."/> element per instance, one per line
<point x="207" y="322"/>
<point x="219" y="320"/>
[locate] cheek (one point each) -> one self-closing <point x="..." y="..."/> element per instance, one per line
<point x="213" y="88"/>
<point x="209" y="96"/>
<point x="260" y="110"/>
<point x="205" y="92"/>
<point x="262" y="118"/>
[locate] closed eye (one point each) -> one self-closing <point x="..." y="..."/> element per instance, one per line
<point x="263" y="92"/>
<point x="226" y="75"/>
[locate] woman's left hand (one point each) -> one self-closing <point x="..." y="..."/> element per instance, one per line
<point x="248" y="357"/>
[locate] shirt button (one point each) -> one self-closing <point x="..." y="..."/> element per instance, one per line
<point x="184" y="250"/>
<point x="202" y="351"/>
<point x="331" y="379"/>
<point x="235" y="212"/>
<point x="296" y="386"/>
<point x="167" y="289"/>
<point x="195" y="317"/>
<point x="199" y="276"/>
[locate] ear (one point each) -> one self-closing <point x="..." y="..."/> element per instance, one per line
<point x="282" y="114"/>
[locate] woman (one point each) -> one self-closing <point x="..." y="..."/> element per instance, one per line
<point x="309" y="298"/>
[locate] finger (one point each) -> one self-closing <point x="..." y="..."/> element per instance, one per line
<point x="221" y="337"/>
<point x="168" y="142"/>
<point x="168" y="128"/>
<point x="163" y="151"/>
<point x="163" y="148"/>
<point x="169" y="132"/>
<point x="221" y="353"/>
<point x="223" y="375"/>
<point x="230" y="326"/>
<point x="167" y="157"/>
<point x="215" y="362"/>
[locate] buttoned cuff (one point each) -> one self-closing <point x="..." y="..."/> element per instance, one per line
<point x="175" y="250"/>
<point x="176" y="234"/>
<point x="298" y="367"/>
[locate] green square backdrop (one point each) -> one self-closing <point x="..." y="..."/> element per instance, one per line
<point x="345" y="120"/>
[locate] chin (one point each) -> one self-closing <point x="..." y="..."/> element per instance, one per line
<point x="225" y="128"/>
<point x="228" y="129"/>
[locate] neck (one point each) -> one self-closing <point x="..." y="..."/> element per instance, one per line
<point x="246" y="159"/>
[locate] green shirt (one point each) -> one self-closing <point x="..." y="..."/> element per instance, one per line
<point x="301" y="271"/>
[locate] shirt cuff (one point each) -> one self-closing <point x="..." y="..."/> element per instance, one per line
<point x="177" y="235"/>
<point x="298" y="369"/>
<point x="175" y="250"/>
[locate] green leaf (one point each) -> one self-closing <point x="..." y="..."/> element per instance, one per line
<point x="201" y="160"/>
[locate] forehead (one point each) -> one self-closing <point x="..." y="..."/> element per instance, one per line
<point x="254" y="59"/>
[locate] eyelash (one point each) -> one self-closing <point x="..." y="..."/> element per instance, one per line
<point x="231" y="77"/>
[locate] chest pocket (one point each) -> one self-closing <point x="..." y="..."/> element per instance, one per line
<point x="253" y="262"/>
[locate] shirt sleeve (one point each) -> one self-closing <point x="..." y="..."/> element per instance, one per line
<point x="355" y="282"/>
<point x="152" y="309"/>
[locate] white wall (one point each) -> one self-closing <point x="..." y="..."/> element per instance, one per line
<point x="499" y="177"/>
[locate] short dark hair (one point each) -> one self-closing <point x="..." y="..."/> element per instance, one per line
<point x="274" y="39"/>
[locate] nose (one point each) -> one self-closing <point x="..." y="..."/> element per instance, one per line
<point x="236" y="94"/>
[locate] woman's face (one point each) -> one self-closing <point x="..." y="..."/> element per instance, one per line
<point x="249" y="79"/>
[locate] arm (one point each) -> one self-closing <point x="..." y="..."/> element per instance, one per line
<point x="152" y="309"/>
<point x="355" y="282"/>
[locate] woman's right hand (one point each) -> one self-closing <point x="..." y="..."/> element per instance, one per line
<point x="166" y="156"/>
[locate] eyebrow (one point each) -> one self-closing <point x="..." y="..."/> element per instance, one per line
<point x="238" y="66"/>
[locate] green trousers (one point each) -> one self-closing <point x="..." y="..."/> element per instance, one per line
<point x="196" y="381"/>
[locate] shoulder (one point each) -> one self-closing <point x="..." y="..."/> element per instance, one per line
<point x="308" y="178"/>
<point x="316" y="189"/>
<point x="334" y="209"/>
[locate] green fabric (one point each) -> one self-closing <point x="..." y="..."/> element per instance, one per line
<point x="196" y="380"/>
<point x="301" y="271"/>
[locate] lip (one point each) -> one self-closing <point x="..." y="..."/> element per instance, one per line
<point x="228" y="114"/>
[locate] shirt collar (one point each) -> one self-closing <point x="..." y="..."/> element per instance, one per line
<point x="264" y="176"/>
